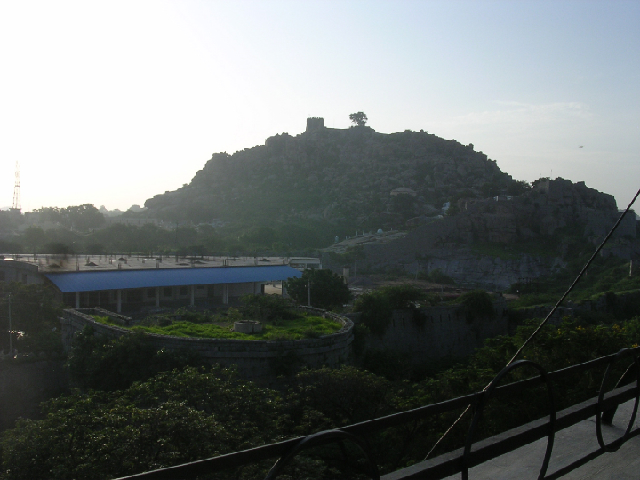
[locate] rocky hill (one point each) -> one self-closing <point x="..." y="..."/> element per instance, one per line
<point x="355" y="177"/>
<point x="459" y="211"/>
<point x="497" y="241"/>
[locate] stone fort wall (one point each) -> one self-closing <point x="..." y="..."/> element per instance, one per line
<point x="442" y="331"/>
<point x="255" y="359"/>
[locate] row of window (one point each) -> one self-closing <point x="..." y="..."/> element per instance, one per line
<point x="168" y="291"/>
<point x="148" y="294"/>
<point x="132" y="295"/>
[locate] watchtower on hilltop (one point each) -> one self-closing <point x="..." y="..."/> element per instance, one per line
<point x="315" y="124"/>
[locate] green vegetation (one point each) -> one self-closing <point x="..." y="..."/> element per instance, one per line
<point x="359" y="118"/>
<point x="78" y="217"/>
<point x="99" y="363"/>
<point x="477" y="304"/>
<point x="287" y="329"/>
<point x="244" y="237"/>
<point x="325" y="289"/>
<point x="376" y="307"/>
<point x="267" y="308"/>
<point x="280" y="321"/>
<point x="172" y="418"/>
<point x="188" y="414"/>
<point x="437" y="276"/>
<point x="34" y="319"/>
<point x="605" y="275"/>
<point x="107" y="320"/>
<point x="291" y="196"/>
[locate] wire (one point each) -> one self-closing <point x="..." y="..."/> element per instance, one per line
<point x="546" y="319"/>
<point x="575" y="282"/>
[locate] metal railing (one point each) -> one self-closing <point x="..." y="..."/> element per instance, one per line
<point x="602" y="407"/>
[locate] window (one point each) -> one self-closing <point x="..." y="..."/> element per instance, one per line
<point x="167" y="292"/>
<point x="184" y="291"/>
<point x="151" y="292"/>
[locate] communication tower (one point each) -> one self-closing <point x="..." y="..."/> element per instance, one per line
<point x="16" y="190"/>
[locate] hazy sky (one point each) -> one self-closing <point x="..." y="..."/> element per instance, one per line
<point x="111" y="102"/>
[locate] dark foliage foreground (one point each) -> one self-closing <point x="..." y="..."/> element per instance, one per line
<point x="183" y="415"/>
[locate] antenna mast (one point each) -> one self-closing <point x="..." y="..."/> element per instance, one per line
<point x="16" y="190"/>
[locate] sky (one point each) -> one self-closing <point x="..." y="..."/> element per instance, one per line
<point x="111" y="103"/>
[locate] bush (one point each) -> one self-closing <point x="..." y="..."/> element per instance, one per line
<point x="267" y="308"/>
<point x="437" y="276"/>
<point x="173" y="418"/>
<point x="477" y="305"/>
<point x="99" y="363"/>
<point x="375" y="310"/>
<point x="402" y="297"/>
<point x="377" y="307"/>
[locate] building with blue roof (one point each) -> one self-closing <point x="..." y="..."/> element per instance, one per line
<point x="132" y="282"/>
<point x="155" y="287"/>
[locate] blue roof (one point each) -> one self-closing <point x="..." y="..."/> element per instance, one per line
<point x="167" y="277"/>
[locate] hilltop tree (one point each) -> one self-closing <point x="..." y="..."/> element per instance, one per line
<point x="359" y="118"/>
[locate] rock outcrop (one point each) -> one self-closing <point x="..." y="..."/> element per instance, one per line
<point x="529" y="236"/>
<point x="368" y="179"/>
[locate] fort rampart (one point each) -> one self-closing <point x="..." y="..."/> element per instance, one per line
<point x="255" y="359"/>
<point x="440" y="331"/>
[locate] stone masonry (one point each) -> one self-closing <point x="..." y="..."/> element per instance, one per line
<point x="253" y="358"/>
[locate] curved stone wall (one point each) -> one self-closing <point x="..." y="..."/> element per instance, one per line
<point x="255" y="359"/>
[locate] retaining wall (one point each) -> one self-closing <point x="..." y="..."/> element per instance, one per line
<point x="255" y="359"/>
<point x="442" y="331"/>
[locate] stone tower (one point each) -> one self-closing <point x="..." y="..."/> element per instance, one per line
<point x="315" y="124"/>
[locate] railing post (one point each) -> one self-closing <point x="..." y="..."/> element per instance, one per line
<point x="607" y="416"/>
<point x="484" y="396"/>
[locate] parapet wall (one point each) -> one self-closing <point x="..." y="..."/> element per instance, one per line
<point x="255" y="359"/>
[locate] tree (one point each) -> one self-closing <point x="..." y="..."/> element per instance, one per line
<point x="327" y="290"/>
<point x="518" y="187"/>
<point x="437" y="276"/>
<point x="356" y="395"/>
<point x="376" y="311"/>
<point x="358" y="118"/>
<point x="403" y="297"/>
<point x="477" y="304"/>
<point x="33" y="238"/>
<point x="267" y="308"/>
<point x="99" y="363"/>
<point x="377" y="307"/>
<point x="82" y="217"/>
<point x="172" y="418"/>
<point x="35" y="314"/>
